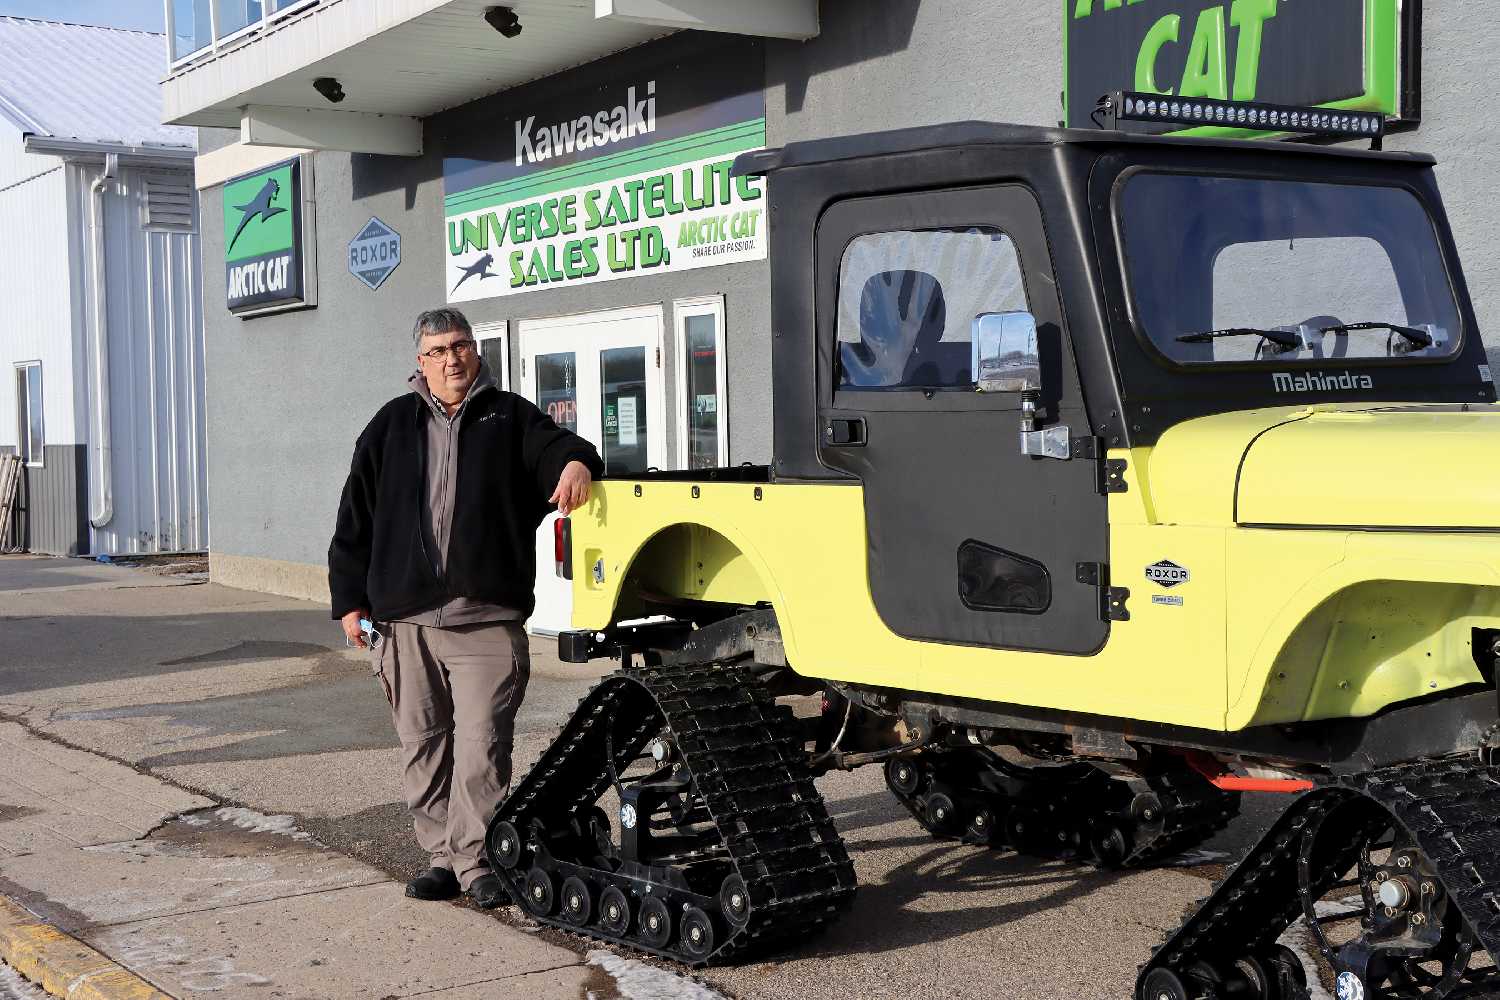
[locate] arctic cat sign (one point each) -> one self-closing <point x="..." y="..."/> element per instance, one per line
<point x="627" y="178"/>
<point x="1331" y="53"/>
<point x="263" y="239"/>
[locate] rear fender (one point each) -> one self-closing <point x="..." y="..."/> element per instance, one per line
<point x="629" y="555"/>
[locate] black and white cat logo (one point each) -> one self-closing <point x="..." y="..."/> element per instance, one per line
<point x="1167" y="573"/>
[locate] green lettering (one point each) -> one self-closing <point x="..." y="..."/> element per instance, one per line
<point x="517" y="279"/>
<point x="1161" y="33"/>
<point x="1250" y="17"/>
<point x="1204" y="74"/>
<point x="591" y="217"/>
<point x="474" y="237"/>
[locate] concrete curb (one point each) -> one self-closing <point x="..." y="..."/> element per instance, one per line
<point x="63" y="965"/>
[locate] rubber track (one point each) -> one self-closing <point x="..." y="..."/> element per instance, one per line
<point x="750" y="769"/>
<point x="1450" y="806"/>
<point x="1193" y="810"/>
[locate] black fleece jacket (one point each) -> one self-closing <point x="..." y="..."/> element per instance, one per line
<point x="510" y="456"/>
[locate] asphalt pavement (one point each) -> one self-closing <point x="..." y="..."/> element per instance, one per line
<point x="252" y="702"/>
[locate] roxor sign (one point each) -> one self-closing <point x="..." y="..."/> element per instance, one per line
<point x="263" y="239"/>
<point x="1337" y="53"/>
<point x="374" y="253"/>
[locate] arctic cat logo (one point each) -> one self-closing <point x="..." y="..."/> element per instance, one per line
<point x="259" y="207"/>
<point x="481" y="267"/>
<point x="1167" y="573"/>
<point x="1319" y="382"/>
<point x="634" y="117"/>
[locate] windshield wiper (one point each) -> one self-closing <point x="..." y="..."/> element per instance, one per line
<point x="1280" y="338"/>
<point x="1419" y="337"/>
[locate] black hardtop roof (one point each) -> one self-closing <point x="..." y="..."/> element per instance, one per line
<point x="979" y="133"/>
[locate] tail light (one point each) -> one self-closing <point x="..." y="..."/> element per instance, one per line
<point x="562" y="547"/>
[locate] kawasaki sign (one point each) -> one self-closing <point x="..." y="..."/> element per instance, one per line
<point x="264" y="239"/>
<point x="1331" y="53"/>
<point x="627" y="175"/>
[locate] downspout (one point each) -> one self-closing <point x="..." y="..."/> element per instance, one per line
<point x="104" y="509"/>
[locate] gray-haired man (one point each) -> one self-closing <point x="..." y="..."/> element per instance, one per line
<point x="435" y="541"/>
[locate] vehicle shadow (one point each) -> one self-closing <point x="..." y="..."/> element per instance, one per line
<point x="888" y="914"/>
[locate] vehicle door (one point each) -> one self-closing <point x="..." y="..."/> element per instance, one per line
<point x="969" y="540"/>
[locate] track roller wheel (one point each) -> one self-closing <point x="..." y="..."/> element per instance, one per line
<point x="505" y="846"/>
<point x="655" y="923"/>
<point x="614" y="912"/>
<point x="734" y="900"/>
<point x="541" y="893"/>
<point x="982" y="827"/>
<point x="1164" y="984"/>
<point x="942" y="813"/>
<point x="903" y="776"/>
<point x="577" y="902"/>
<point x="1110" y="847"/>
<point x="697" y="934"/>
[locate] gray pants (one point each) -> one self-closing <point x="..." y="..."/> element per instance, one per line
<point x="453" y="694"/>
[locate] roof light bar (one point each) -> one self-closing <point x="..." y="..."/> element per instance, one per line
<point x="1194" y="112"/>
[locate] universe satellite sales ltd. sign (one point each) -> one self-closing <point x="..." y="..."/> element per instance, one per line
<point x="629" y="178"/>
<point x="1332" y="53"/>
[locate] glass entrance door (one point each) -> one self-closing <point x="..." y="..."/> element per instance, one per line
<point x="598" y="375"/>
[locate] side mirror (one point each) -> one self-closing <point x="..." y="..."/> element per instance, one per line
<point x="1005" y="357"/>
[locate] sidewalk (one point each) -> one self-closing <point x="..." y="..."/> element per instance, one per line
<point x="195" y="877"/>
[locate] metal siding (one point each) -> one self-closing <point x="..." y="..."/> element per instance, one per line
<point x="34" y="285"/>
<point x="50" y="513"/>
<point x="156" y="379"/>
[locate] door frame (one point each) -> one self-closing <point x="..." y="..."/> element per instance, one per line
<point x="496" y="330"/>
<point x="711" y="305"/>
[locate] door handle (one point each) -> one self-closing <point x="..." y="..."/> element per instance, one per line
<point x="845" y="432"/>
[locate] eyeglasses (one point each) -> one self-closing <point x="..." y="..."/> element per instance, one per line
<point x="460" y="349"/>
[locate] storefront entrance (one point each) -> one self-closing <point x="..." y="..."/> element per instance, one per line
<point x="599" y="375"/>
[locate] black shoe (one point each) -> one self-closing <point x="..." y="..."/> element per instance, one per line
<point x="487" y="892"/>
<point x="434" y="883"/>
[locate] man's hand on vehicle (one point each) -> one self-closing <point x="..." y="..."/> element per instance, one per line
<point x="572" y="488"/>
<point x="352" y="630"/>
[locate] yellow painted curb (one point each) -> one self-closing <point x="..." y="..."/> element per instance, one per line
<point x="64" y="965"/>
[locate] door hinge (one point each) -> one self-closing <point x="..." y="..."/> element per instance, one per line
<point x="1113" y="477"/>
<point x="658" y="357"/>
<point x="1111" y="599"/>
<point x="523" y="366"/>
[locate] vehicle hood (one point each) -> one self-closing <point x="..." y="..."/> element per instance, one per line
<point x="1392" y="466"/>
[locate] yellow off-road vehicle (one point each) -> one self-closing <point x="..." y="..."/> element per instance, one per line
<point x="1114" y="475"/>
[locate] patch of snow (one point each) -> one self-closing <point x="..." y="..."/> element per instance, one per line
<point x="253" y="822"/>
<point x="1192" y="859"/>
<point x="639" y="981"/>
<point x="14" y="987"/>
<point x="1300" y="940"/>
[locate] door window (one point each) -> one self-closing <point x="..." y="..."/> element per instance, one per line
<point x="622" y="391"/>
<point x="907" y="301"/>
<point x="557" y="388"/>
<point x="29" y="412"/>
<point x="702" y="425"/>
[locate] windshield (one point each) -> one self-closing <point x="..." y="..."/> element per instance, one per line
<point x="1215" y="263"/>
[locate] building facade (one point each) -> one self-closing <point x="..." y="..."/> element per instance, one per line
<point x="102" y="347"/>
<point x="564" y="187"/>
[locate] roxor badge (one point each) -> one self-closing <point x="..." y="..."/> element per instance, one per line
<point x="1167" y="573"/>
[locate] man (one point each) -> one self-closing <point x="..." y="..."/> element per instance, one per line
<point x="436" y="542"/>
